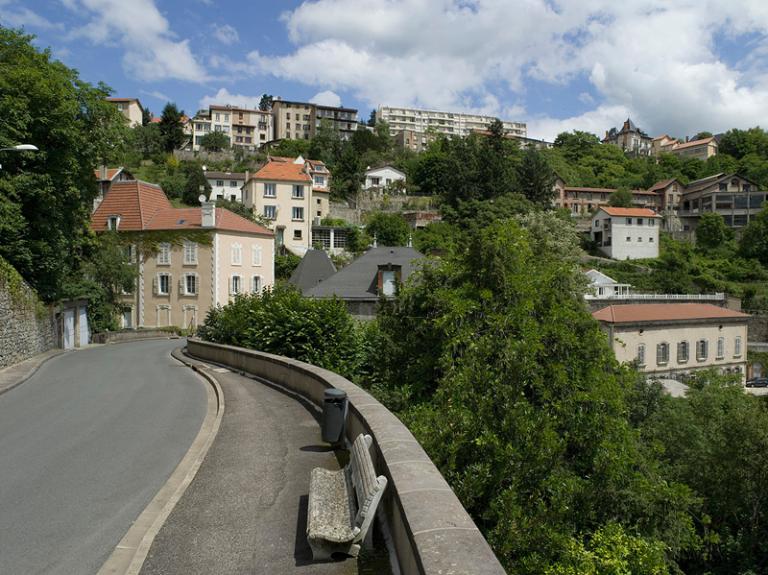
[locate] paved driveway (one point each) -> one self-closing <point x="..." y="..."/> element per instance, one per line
<point x="85" y="444"/>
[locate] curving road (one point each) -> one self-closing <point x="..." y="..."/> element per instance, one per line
<point x="85" y="444"/>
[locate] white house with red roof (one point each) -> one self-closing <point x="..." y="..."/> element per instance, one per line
<point x="626" y="233"/>
<point x="673" y="340"/>
<point x="185" y="276"/>
<point x="292" y="193"/>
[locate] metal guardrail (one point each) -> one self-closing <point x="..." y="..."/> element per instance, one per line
<point x="662" y="296"/>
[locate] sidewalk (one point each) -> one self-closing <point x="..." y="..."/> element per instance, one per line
<point x="245" y="511"/>
<point x="18" y="373"/>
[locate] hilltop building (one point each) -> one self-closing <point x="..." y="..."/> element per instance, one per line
<point x="630" y="139"/>
<point x="131" y="108"/>
<point x="626" y="233"/>
<point x="300" y="120"/>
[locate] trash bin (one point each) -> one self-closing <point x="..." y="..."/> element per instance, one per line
<point x="334" y="415"/>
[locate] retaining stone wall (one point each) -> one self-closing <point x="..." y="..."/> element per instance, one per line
<point x="431" y="532"/>
<point x="22" y="333"/>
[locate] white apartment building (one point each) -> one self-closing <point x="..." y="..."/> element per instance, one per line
<point x="672" y="340"/>
<point x="289" y="192"/>
<point x="626" y="233"/>
<point x="225" y="185"/>
<point x="248" y="129"/>
<point x="448" y="123"/>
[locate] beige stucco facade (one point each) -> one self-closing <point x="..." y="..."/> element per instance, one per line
<point x="164" y="295"/>
<point x="131" y="109"/>
<point x="726" y="346"/>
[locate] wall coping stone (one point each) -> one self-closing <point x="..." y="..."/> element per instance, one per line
<point x="431" y="530"/>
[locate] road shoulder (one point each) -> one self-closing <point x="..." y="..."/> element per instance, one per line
<point x="18" y="373"/>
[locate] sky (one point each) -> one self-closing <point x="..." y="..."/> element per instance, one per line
<point x="675" y="67"/>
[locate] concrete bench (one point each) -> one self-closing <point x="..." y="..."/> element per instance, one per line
<point x="342" y="504"/>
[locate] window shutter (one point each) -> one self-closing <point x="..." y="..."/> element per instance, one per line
<point x="181" y="285"/>
<point x="230" y="286"/>
<point x="155" y="281"/>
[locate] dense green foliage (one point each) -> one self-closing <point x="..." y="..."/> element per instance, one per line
<point x="281" y="321"/>
<point x="215" y="141"/>
<point x="285" y="263"/>
<point x="389" y="229"/>
<point x="45" y="196"/>
<point x="171" y="129"/>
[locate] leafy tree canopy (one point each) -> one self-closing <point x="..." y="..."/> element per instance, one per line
<point x="215" y="141"/>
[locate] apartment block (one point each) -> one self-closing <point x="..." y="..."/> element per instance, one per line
<point x="131" y="108"/>
<point x="292" y="193"/>
<point x="300" y="120"/>
<point x="245" y="128"/>
<point x="421" y="125"/>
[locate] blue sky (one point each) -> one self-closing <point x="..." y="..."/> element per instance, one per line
<point x="674" y="66"/>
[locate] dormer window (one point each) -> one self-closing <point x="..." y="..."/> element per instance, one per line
<point x="388" y="277"/>
<point x="113" y="222"/>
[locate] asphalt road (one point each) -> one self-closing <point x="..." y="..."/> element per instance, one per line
<point x="85" y="444"/>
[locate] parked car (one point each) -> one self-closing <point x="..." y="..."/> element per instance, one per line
<point x="758" y="382"/>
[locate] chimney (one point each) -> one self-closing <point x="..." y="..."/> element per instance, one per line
<point x="102" y="173"/>
<point x="208" y="214"/>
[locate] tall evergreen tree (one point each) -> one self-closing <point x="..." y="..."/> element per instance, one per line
<point x="171" y="128"/>
<point x="535" y="178"/>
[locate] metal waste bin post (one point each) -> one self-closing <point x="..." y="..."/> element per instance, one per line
<point x="334" y="415"/>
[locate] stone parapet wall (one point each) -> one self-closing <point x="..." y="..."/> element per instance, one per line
<point x="27" y="328"/>
<point x="431" y="531"/>
<point x="132" y="335"/>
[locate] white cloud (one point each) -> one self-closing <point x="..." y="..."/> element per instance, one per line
<point x="655" y="60"/>
<point x="152" y="51"/>
<point x="223" y="97"/>
<point x="157" y="95"/>
<point x="326" y="98"/>
<point x="21" y="16"/>
<point x="226" y="34"/>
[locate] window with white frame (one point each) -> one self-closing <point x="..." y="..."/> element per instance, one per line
<point x="641" y="354"/>
<point x="190" y="253"/>
<point x="256" y="284"/>
<point x="297" y="213"/>
<point x="113" y="222"/>
<point x="270" y="190"/>
<point x="720" y="347"/>
<point x="220" y="183"/>
<point x="683" y="352"/>
<point x="270" y="212"/>
<point x="164" y="255"/>
<point x="319" y="180"/>
<point x="235" y="285"/>
<point x="232" y="183"/>
<point x="737" y="347"/>
<point x="256" y="258"/>
<point x="237" y="255"/>
<point x="702" y="349"/>
<point x="662" y="354"/>
<point x="298" y="191"/>
<point x="163" y="284"/>
<point x="190" y="286"/>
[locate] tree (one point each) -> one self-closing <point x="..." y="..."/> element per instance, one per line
<point x="265" y="104"/>
<point x="535" y="179"/>
<point x="388" y="229"/>
<point x="146" y="116"/>
<point x="146" y="141"/>
<point x="285" y="263"/>
<point x="702" y="135"/>
<point x="711" y="231"/>
<point x="171" y="128"/>
<point x="372" y="119"/>
<point x="46" y="196"/>
<point x="754" y="238"/>
<point x="576" y="145"/>
<point x="196" y="184"/>
<point x="621" y="198"/>
<point x="347" y="175"/>
<point x="494" y="363"/>
<point x="326" y="144"/>
<point x="215" y="141"/>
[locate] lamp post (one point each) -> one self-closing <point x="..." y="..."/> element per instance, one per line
<point x="19" y="148"/>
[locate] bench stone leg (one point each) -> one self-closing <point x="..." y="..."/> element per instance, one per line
<point x="325" y="549"/>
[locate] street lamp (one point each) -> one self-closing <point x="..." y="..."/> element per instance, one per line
<point x="19" y="148"/>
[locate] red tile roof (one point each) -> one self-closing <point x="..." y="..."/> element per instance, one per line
<point x="702" y="142"/>
<point x="283" y="171"/>
<point x="656" y="312"/>
<point x="111" y="173"/>
<point x="630" y="212"/>
<point x="142" y="206"/>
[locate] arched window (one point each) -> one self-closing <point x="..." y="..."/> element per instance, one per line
<point x="702" y="349"/>
<point x="683" y="351"/>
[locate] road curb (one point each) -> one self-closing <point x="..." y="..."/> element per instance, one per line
<point x="130" y="554"/>
<point x="33" y="371"/>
